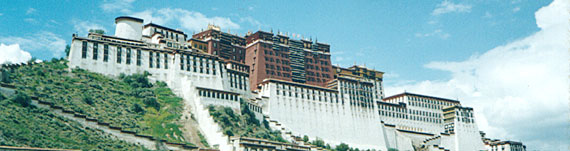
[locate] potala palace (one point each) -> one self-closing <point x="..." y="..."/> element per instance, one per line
<point x="290" y="83"/>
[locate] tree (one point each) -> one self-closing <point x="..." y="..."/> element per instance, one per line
<point x="5" y="76"/>
<point x="342" y="147"/>
<point x="98" y="31"/>
<point x="318" y="142"/>
<point x="305" y="138"/>
<point x="22" y="99"/>
<point x="67" y="49"/>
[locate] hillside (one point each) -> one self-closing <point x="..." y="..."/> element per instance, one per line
<point x="129" y="102"/>
<point x="27" y="126"/>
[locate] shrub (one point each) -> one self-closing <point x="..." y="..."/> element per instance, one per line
<point x="137" y="80"/>
<point x="87" y="98"/>
<point x="22" y="99"/>
<point x="151" y="102"/>
<point x="138" y="108"/>
<point x="228" y="131"/>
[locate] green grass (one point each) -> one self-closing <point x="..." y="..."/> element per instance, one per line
<point x="36" y="127"/>
<point x="110" y="100"/>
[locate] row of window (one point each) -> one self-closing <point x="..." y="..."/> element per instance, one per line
<point x="409" y="117"/>
<point x="299" y="92"/>
<point x="316" y="67"/>
<point x="198" y="64"/>
<point x="271" y="53"/>
<point x="316" y="74"/>
<point x="309" y="60"/>
<point x="119" y="53"/>
<point x="276" y="67"/>
<point x="313" y="79"/>
<point x="218" y="95"/>
<point x="168" y="34"/>
<point x="254" y="108"/>
<point x="237" y="81"/>
<point x="284" y="62"/>
<point x="429" y="101"/>
<point x="151" y="60"/>
<point x="356" y="92"/>
<point x="277" y="73"/>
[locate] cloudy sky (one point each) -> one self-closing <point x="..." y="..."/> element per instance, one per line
<point x="506" y="58"/>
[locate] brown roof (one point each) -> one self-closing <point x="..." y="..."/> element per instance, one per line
<point x="128" y="18"/>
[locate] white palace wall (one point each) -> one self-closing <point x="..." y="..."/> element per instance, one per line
<point x="322" y="115"/>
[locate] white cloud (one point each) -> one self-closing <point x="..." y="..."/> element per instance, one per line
<point x="519" y="90"/>
<point x="438" y="32"/>
<point x="123" y="6"/>
<point x="516" y="9"/>
<point x="13" y="54"/>
<point x="251" y="21"/>
<point x="38" y="42"/>
<point x="30" y="11"/>
<point x="449" y="7"/>
<point x="189" y="20"/>
<point x="83" y="27"/>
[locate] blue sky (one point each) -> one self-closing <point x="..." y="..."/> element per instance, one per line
<point x="443" y="48"/>
<point x="397" y="38"/>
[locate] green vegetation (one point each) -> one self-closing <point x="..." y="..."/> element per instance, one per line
<point x="244" y="124"/>
<point x="36" y="127"/>
<point x="203" y="140"/>
<point x="342" y="147"/>
<point x="67" y="50"/>
<point x="22" y="99"/>
<point x="98" y="31"/>
<point x="130" y="102"/>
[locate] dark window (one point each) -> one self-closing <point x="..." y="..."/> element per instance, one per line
<point x="165" y="61"/>
<point x="187" y="62"/>
<point x="128" y="55"/>
<point x="181" y="62"/>
<point x="119" y="53"/>
<point x="95" y="50"/>
<point x="150" y="59"/>
<point x="157" y="60"/>
<point x="84" y="50"/>
<point x="106" y="53"/>
<point x="139" y="55"/>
